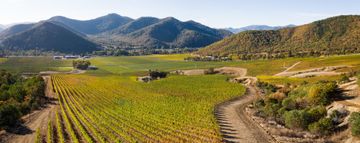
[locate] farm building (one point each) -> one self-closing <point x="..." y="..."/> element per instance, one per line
<point x="71" y="57"/>
<point x="92" y="68"/>
<point x="58" y="57"/>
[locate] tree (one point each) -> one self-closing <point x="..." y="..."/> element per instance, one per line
<point x="157" y="74"/>
<point x="81" y="64"/>
<point x="324" y="126"/>
<point x="296" y="119"/>
<point x="9" y="115"/>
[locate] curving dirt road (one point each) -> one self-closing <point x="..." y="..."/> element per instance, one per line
<point x="235" y="125"/>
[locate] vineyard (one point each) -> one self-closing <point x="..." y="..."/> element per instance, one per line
<point x="119" y="109"/>
<point x="109" y="105"/>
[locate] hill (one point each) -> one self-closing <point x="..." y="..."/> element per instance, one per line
<point x="336" y="35"/>
<point x="15" y="29"/>
<point x="257" y="27"/>
<point x="48" y="37"/>
<point x="94" y="26"/>
<point x="169" y="32"/>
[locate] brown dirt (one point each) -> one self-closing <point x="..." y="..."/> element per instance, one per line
<point x="235" y="125"/>
<point x="324" y="71"/>
<point x="36" y="120"/>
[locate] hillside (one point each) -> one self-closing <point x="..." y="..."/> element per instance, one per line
<point x="336" y="35"/>
<point x="48" y="37"/>
<point x="94" y="26"/>
<point x="15" y="29"/>
<point x="168" y="33"/>
<point x="257" y="27"/>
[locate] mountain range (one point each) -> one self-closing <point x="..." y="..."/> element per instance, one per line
<point x="93" y="26"/>
<point x="334" y="35"/>
<point x="257" y="27"/>
<point x="112" y="30"/>
<point x="150" y="32"/>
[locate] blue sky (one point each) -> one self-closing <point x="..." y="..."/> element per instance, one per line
<point x="214" y="13"/>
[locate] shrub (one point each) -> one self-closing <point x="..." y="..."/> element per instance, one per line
<point x="316" y="113"/>
<point x="157" y="74"/>
<point x="322" y="93"/>
<point x="323" y="127"/>
<point x="271" y="108"/>
<point x="355" y="123"/>
<point x="269" y="88"/>
<point x="9" y="115"/>
<point x="296" y="119"/>
<point x="81" y="64"/>
<point x="344" y="79"/>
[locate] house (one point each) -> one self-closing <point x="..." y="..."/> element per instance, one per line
<point x="58" y="57"/>
<point x="71" y="57"/>
<point x="92" y="68"/>
<point x="86" y="57"/>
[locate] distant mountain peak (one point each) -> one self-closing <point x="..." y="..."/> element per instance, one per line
<point x="94" y="26"/>
<point x="258" y="27"/>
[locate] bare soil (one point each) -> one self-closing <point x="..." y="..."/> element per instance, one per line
<point x="235" y="125"/>
<point x="323" y="71"/>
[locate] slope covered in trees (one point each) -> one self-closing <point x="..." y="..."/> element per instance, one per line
<point x="93" y="26"/>
<point x="162" y="33"/>
<point x="48" y="37"/>
<point x="336" y="35"/>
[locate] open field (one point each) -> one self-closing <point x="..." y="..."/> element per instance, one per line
<point x="34" y="64"/>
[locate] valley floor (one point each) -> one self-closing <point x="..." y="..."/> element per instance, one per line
<point x="109" y="105"/>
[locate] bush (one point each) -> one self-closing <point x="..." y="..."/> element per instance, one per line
<point x="269" y="88"/>
<point x="322" y="93"/>
<point x="323" y="127"/>
<point x="271" y="108"/>
<point x="9" y="115"/>
<point x="344" y="79"/>
<point x="316" y="113"/>
<point x="355" y="123"/>
<point x="296" y="119"/>
<point x="157" y="74"/>
<point x="81" y="64"/>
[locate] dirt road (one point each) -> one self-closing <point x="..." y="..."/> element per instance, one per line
<point x="235" y="125"/>
<point x="323" y="71"/>
<point x="36" y="120"/>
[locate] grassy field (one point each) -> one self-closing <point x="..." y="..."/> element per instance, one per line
<point x="34" y="64"/>
<point x="130" y="65"/>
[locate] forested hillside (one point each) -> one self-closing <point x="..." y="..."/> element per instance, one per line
<point x="336" y="35"/>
